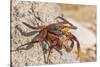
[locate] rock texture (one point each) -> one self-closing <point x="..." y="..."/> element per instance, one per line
<point x="35" y="13"/>
<point x="24" y="11"/>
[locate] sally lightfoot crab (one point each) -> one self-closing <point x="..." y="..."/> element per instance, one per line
<point x="51" y="33"/>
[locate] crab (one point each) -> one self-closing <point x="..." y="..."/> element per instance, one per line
<point x="51" y="33"/>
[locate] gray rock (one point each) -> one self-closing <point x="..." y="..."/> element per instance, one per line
<point x="33" y="13"/>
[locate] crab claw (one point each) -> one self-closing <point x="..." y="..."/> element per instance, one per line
<point x="66" y="24"/>
<point x="69" y="25"/>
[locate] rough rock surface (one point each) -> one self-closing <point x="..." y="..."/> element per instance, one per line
<point x="29" y="11"/>
<point x="24" y="11"/>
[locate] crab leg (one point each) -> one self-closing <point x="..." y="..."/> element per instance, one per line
<point x="51" y="47"/>
<point x="41" y="36"/>
<point x="73" y="38"/>
<point x="29" y="45"/>
<point x="72" y="44"/>
<point x="55" y="41"/>
<point x="64" y="20"/>
<point x="24" y="33"/>
<point x="32" y="27"/>
<point x="22" y="47"/>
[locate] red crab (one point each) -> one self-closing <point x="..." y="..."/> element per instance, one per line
<point x="51" y="33"/>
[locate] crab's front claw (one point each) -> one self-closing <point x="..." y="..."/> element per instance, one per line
<point x="70" y="26"/>
<point x="66" y="25"/>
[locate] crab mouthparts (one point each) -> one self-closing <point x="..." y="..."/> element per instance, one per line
<point x="67" y="27"/>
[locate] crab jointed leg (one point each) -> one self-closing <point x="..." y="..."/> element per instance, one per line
<point x="33" y="27"/>
<point x="25" y="33"/>
<point x="38" y="38"/>
<point x="41" y="36"/>
<point x="55" y="42"/>
<point x="72" y="38"/>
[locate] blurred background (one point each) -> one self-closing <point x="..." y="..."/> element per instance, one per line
<point x="81" y="13"/>
<point x="86" y="15"/>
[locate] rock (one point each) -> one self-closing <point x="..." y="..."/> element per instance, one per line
<point x="33" y="13"/>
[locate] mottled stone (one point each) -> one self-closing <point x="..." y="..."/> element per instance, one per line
<point x="27" y="11"/>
